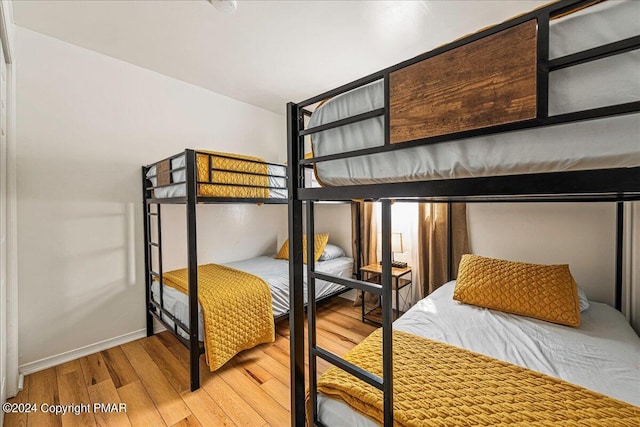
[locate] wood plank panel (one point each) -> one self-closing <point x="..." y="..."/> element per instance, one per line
<point x="250" y="391"/>
<point x="120" y="370"/>
<point x="105" y="392"/>
<point x="278" y="392"/>
<point x="167" y="338"/>
<point x="190" y="421"/>
<point x="74" y="392"/>
<point x="167" y="400"/>
<point x="267" y="363"/>
<point x="205" y="409"/>
<point x="43" y="388"/>
<point x="247" y="363"/>
<point x="141" y="410"/>
<point x="225" y="395"/>
<point x="94" y="369"/>
<point x="487" y="82"/>
<point x="168" y="364"/>
<point x="68" y="367"/>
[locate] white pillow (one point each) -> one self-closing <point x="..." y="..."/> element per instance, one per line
<point x="331" y="252"/>
<point x="582" y="298"/>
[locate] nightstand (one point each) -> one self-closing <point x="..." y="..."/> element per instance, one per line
<point x="399" y="280"/>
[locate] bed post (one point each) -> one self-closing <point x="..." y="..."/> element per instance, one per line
<point x="387" y="314"/>
<point x="192" y="262"/>
<point x="619" y="254"/>
<point x="147" y="267"/>
<point x="358" y="255"/>
<point x="449" y="241"/>
<point x="296" y="290"/>
<point x="311" y="314"/>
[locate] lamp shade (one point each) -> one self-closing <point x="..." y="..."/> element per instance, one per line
<point x="396" y="242"/>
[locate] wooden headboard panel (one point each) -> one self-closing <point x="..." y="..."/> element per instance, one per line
<point x="488" y="82"/>
<point x="162" y="170"/>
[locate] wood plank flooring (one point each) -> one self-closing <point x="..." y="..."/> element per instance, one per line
<point x="151" y="376"/>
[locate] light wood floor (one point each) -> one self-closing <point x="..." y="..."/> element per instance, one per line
<point x="151" y="376"/>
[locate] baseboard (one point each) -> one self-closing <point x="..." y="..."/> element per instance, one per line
<point x="48" y="362"/>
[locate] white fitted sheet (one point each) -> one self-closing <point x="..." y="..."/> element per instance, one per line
<point x="603" y="354"/>
<point x="273" y="271"/>
<point x="180" y="190"/>
<point x="600" y="144"/>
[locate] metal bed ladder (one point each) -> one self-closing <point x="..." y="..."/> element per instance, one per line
<point x="384" y="384"/>
<point x="149" y="244"/>
<point x="157" y="309"/>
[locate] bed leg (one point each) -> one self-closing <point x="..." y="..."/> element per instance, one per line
<point x="192" y="260"/>
<point x="149" y="323"/>
<point x="296" y="292"/>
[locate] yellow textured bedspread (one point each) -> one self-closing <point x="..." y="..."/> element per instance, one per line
<point x="436" y="384"/>
<point x="236" y="308"/>
<point x="238" y="171"/>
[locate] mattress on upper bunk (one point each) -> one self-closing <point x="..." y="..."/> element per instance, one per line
<point x="600" y="355"/>
<point x="236" y="176"/>
<point x="598" y="144"/>
<point x="275" y="272"/>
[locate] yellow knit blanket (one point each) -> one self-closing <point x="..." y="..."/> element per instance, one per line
<point x="236" y="308"/>
<point x="245" y="184"/>
<point x="436" y="384"/>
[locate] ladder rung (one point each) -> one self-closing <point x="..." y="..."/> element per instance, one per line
<point x="152" y="213"/>
<point x="351" y="283"/>
<point x="154" y="244"/>
<point x="349" y="367"/>
<point x="154" y="274"/>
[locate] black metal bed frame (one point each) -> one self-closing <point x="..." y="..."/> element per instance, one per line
<point x="616" y="185"/>
<point x="191" y="200"/>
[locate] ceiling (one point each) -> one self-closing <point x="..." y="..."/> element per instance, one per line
<point x="266" y="53"/>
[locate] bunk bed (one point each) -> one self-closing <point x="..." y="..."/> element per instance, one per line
<point x="543" y="107"/>
<point x="258" y="285"/>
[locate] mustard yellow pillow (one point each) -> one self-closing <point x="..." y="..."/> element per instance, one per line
<point x="319" y="242"/>
<point x="546" y="292"/>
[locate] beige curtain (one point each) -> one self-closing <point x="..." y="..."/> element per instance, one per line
<point x="431" y="270"/>
<point x="369" y="239"/>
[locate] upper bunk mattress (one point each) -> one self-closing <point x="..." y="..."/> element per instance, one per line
<point x="237" y="178"/>
<point x="598" y="144"/>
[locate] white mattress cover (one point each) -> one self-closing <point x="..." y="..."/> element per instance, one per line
<point x="180" y="190"/>
<point x="605" y="143"/>
<point x="273" y="271"/>
<point x="603" y="354"/>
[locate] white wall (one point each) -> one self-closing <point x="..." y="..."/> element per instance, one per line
<point x="579" y="234"/>
<point x="86" y="124"/>
<point x="335" y="219"/>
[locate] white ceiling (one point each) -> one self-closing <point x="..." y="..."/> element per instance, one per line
<point x="266" y="53"/>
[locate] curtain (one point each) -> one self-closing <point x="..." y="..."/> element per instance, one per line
<point x="431" y="269"/>
<point x="369" y="240"/>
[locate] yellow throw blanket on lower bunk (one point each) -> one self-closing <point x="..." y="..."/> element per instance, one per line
<point x="246" y="174"/>
<point x="236" y="308"/>
<point x="436" y="384"/>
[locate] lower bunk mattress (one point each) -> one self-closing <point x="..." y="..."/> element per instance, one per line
<point x="597" y="144"/>
<point x="601" y="355"/>
<point x="236" y="176"/>
<point x="275" y="272"/>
